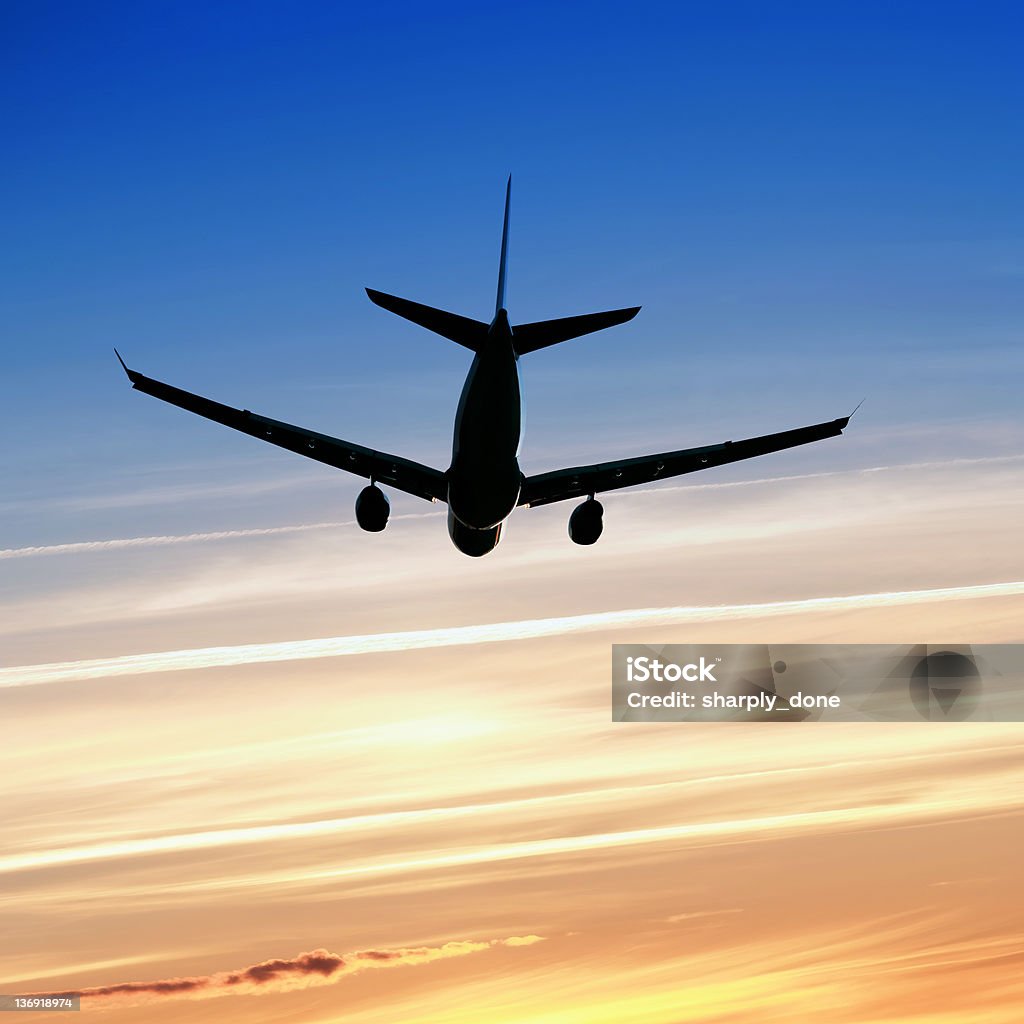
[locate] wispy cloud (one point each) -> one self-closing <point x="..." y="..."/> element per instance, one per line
<point x="971" y="796"/>
<point x="167" y="540"/>
<point x="317" y="967"/>
<point x="695" y="915"/>
<point x="86" y="547"/>
<point x="554" y="807"/>
<point x="493" y="632"/>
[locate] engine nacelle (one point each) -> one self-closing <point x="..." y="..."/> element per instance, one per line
<point x="586" y="522"/>
<point x="372" y="509"/>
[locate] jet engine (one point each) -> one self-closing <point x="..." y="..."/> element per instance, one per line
<point x="586" y="522"/>
<point x="372" y="509"/>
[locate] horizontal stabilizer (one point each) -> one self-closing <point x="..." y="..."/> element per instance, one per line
<point x="460" y="329"/>
<point x="530" y="337"/>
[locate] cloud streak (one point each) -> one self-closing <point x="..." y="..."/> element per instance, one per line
<point x="167" y="540"/>
<point x="447" y="814"/>
<point x="317" y="967"/>
<point x="970" y="797"/>
<point x="86" y="547"/>
<point x="492" y="632"/>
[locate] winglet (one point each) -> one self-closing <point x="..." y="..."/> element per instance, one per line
<point x="132" y="375"/>
<point x="500" y="301"/>
<point x="844" y="421"/>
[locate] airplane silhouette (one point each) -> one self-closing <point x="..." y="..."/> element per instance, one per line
<point x="484" y="483"/>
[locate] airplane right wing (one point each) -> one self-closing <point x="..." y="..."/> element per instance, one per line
<point x="582" y="481"/>
<point x="408" y="476"/>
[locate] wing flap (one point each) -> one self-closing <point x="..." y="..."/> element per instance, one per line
<point x="406" y="475"/>
<point x="610" y="476"/>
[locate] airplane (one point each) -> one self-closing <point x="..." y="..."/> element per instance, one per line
<point x="484" y="483"/>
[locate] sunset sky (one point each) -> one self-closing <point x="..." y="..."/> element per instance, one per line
<point x="260" y="766"/>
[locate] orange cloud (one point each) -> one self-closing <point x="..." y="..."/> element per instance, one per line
<point x="317" y="967"/>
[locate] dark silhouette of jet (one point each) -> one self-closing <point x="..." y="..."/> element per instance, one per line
<point x="484" y="483"/>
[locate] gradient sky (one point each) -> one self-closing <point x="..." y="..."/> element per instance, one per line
<point x="813" y="205"/>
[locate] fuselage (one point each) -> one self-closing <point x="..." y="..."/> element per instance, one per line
<point x="484" y="479"/>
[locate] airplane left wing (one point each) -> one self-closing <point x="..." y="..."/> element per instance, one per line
<point x="583" y="481"/>
<point x="408" y="476"/>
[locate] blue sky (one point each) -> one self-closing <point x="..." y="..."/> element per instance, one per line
<point x="811" y="205"/>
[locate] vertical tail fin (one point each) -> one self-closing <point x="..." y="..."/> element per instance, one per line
<point x="500" y="303"/>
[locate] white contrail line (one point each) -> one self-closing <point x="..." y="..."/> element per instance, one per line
<point x="166" y="540"/>
<point x="708" y="833"/>
<point x="159" y="541"/>
<point x="402" y="819"/>
<point x="976" y="803"/>
<point x="455" y="636"/>
<point x="825" y="473"/>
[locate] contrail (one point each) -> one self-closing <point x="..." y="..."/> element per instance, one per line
<point x="825" y="473"/>
<point x="84" y="547"/>
<point x="405" y="820"/>
<point x="972" y="801"/>
<point x="456" y="636"/>
<point x="117" y="544"/>
<point x="165" y="540"/>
